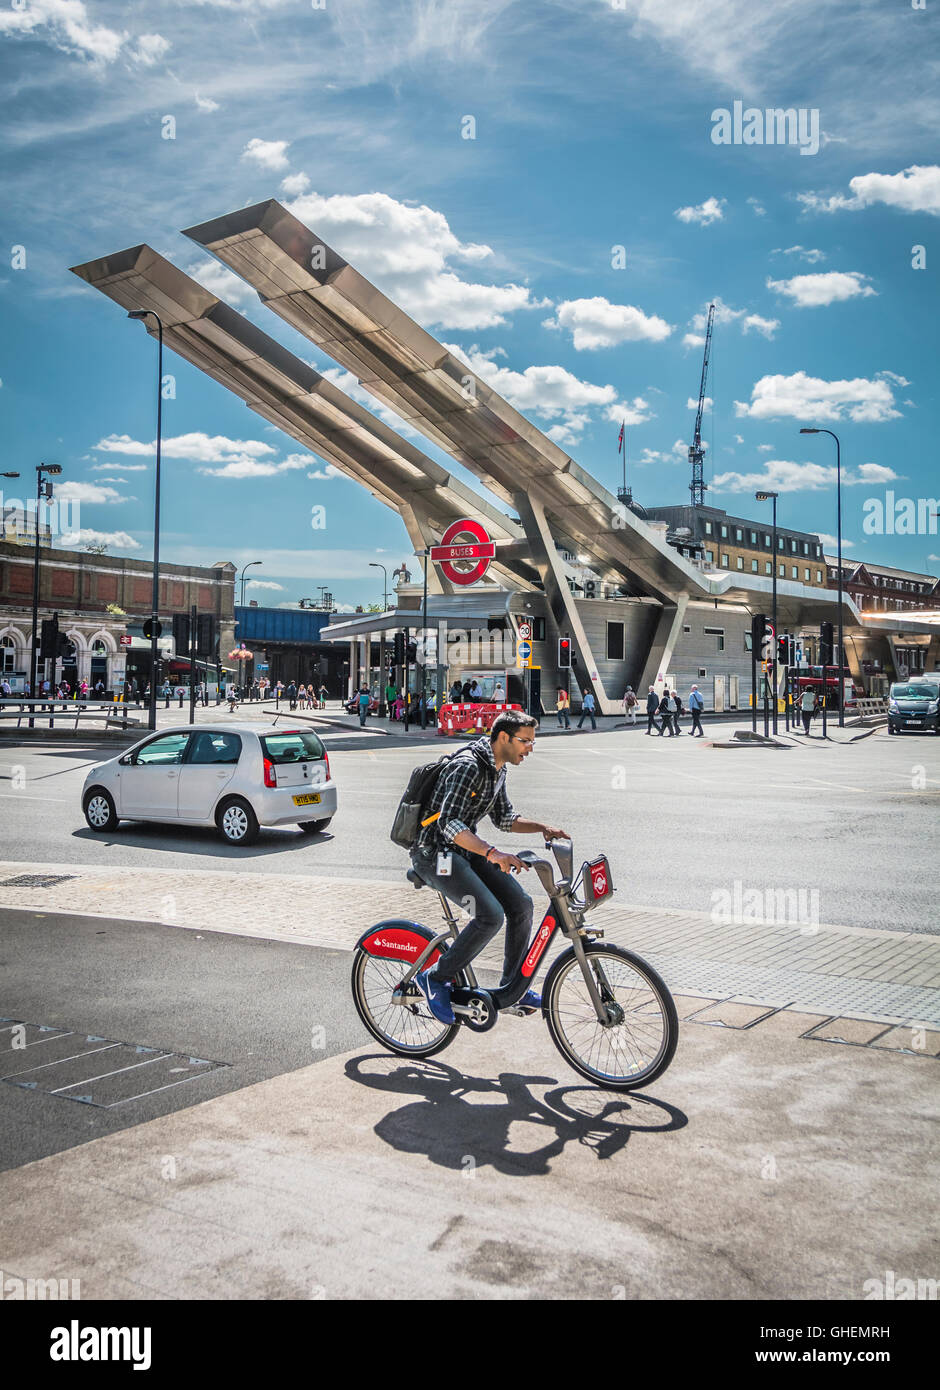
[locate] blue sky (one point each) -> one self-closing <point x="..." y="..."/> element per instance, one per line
<point x="592" y="131"/>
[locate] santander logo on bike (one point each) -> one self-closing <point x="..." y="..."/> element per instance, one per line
<point x="538" y="946"/>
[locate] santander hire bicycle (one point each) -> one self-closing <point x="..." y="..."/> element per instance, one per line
<point x="608" y="1012"/>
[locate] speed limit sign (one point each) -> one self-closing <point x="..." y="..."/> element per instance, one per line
<point x="525" y="632"/>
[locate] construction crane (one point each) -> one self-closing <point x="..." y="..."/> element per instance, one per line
<point x="696" y="452"/>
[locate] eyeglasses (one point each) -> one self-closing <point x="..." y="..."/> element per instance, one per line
<point x="529" y="741"/>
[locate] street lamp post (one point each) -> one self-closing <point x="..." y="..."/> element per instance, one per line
<point x="155" y="591"/>
<point x="841" y="666"/>
<point x="248" y="567"/>
<point x="43" y="489"/>
<point x="765" y="497"/>
<point x="374" y="565"/>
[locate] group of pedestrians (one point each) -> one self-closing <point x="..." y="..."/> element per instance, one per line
<point x="304" y="696"/>
<point x="670" y="708"/>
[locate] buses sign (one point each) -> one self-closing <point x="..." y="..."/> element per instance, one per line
<point x="465" y="552"/>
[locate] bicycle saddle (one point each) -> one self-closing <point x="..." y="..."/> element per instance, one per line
<point x="415" y="879"/>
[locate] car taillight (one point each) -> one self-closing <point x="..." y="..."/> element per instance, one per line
<point x="270" y="780"/>
<point x="326" y="759"/>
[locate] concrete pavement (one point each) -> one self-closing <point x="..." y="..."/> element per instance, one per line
<point x="761" y="1165"/>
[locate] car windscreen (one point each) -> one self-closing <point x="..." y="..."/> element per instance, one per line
<point x="296" y="747"/>
<point x="918" y="691"/>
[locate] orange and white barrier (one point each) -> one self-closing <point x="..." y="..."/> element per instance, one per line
<point x="469" y="718"/>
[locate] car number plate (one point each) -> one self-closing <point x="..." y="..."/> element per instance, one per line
<point x="309" y="799"/>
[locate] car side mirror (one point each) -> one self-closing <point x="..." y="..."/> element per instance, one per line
<point x="125" y="761"/>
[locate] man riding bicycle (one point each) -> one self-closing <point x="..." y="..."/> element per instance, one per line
<point x="450" y="857"/>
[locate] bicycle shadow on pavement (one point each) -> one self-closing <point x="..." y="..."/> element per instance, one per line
<point x="455" y="1132"/>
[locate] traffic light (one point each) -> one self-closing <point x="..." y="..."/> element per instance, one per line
<point x="181" y="632"/>
<point x="783" y="650"/>
<point x="399" y="649"/>
<point x="825" y="644"/>
<point x="758" y="627"/>
<point x="205" y="634"/>
<point x="49" y="639"/>
<point x="411" y="652"/>
<point x="564" y="653"/>
<point x="64" y="647"/>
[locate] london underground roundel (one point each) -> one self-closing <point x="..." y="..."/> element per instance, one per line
<point x="465" y="552"/>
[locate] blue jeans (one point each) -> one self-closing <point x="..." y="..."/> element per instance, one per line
<point x="487" y="893"/>
<point x="587" y="714"/>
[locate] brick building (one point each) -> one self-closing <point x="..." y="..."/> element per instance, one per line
<point x="741" y="546"/>
<point x="99" y="600"/>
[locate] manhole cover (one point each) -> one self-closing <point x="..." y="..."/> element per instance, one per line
<point x="36" y="880"/>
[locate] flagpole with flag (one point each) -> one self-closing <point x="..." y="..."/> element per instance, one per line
<point x="622" y="493"/>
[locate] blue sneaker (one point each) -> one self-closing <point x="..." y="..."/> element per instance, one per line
<point x="529" y="1004"/>
<point x="437" y="993"/>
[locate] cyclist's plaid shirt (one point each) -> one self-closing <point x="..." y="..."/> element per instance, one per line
<point x="466" y="791"/>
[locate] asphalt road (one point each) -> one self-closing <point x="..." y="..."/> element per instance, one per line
<point x="679" y="820"/>
<point x="261" y="1008"/>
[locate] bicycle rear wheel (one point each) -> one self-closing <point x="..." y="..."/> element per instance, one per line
<point x="409" y="1028"/>
<point x="623" y="1055"/>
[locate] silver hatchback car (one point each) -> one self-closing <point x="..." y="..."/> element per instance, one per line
<point x="237" y="777"/>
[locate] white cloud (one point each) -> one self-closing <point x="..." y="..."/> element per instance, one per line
<point x="805" y="253"/>
<point x="916" y="189"/>
<point x="704" y="213"/>
<point x="553" y="392"/>
<point x="761" y="448"/>
<point x="758" y="207"/>
<point x="875" y="473"/>
<point x="767" y="327"/>
<point x="262" y="584"/>
<point x="596" y="323"/>
<point x="124" y="467"/>
<point x="295" y="184"/>
<point x="88" y="492"/>
<point x="826" y="287"/>
<point x="324" y="474"/>
<point x="270" y="154"/>
<point x="150" y="49"/>
<point x="206" y="103"/>
<point x="782" y="475"/>
<point x="114" y="540"/>
<point x="811" y="398"/>
<point x="252" y="468"/>
<point x="112" y="480"/>
<point x="739" y="439"/>
<point x="831" y="542"/>
<point x="66" y="25"/>
<point x="407" y="251"/>
<point x="198" y="447"/>
<point x="692" y="403"/>
<point x="222" y="282"/>
<point x="893" y="376"/>
<point x="724" y="314"/>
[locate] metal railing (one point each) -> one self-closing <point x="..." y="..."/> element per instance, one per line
<point x="49" y="709"/>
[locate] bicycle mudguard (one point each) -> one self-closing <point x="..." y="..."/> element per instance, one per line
<point x="397" y="939"/>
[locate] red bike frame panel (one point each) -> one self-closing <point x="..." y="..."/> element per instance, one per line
<point x="398" y="943"/>
<point x="542" y="937"/>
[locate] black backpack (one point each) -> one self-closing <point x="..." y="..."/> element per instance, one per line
<point x="414" y="804"/>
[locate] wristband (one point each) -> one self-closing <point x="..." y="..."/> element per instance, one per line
<point x="486" y="857"/>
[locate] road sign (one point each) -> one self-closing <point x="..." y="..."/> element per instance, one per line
<point x="525" y="631"/>
<point x="125" y="639"/>
<point x="524" y="649"/>
<point x="465" y="552"/>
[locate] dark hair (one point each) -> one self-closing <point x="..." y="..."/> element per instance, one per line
<point x="510" y="722"/>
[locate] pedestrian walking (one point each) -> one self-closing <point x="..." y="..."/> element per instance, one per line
<point x="665" y="714"/>
<point x="499" y="694"/>
<point x="563" y="705"/>
<point x="629" y="704"/>
<point x="363" y="706"/>
<point x="166" y="693"/>
<point x="652" y="705"/>
<point x="696" y="705"/>
<point x="808" y="706"/>
<point x="588" y="706"/>
<point x="676" y="711"/>
<point x="291" y="693"/>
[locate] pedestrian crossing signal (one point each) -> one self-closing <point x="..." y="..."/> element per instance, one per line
<point x="564" y="653"/>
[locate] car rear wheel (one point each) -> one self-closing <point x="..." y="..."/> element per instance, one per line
<point x="237" y="822"/>
<point x="314" y="827"/>
<point x="99" y="810"/>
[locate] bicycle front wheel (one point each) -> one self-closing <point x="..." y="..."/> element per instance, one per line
<point x="408" y="1028"/>
<point x="632" y="1050"/>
